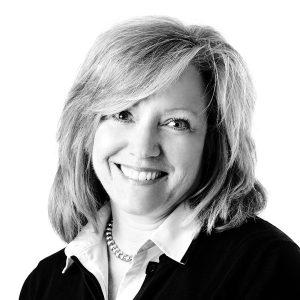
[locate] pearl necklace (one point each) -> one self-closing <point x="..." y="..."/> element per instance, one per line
<point x="113" y="246"/>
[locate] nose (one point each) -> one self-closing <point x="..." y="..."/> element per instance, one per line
<point x="144" y="142"/>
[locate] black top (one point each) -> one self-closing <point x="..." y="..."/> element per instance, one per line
<point x="253" y="261"/>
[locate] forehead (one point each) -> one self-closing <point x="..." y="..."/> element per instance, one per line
<point x="187" y="92"/>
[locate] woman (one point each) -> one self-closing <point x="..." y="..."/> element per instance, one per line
<point x="155" y="191"/>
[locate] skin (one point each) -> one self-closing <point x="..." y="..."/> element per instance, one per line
<point x="147" y="137"/>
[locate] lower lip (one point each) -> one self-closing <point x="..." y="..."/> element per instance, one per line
<point x="142" y="182"/>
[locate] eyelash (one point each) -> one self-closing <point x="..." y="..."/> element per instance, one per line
<point x="187" y="126"/>
<point x="186" y="121"/>
<point x="115" y="116"/>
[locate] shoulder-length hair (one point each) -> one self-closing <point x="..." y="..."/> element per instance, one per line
<point x="130" y="62"/>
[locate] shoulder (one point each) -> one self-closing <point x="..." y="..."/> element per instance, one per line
<point x="48" y="270"/>
<point x="258" y="238"/>
<point x="260" y="228"/>
<point x="268" y="239"/>
<point x="270" y="260"/>
<point x="51" y="265"/>
<point x="259" y="256"/>
<point x="254" y="231"/>
<point x="53" y="262"/>
<point x="255" y="237"/>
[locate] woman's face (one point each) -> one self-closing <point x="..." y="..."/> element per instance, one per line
<point x="148" y="156"/>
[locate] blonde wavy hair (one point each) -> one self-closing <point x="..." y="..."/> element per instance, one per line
<point x="130" y="62"/>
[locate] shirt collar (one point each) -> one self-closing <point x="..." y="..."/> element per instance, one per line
<point x="89" y="241"/>
<point x="175" y="234"/>
<point x="173" y="237"/>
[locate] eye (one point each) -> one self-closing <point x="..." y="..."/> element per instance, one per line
<point x="179" y="124"/>
<point x="123" y="116"/>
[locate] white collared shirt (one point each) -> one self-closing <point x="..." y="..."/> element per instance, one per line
<point x="172" y="238"/>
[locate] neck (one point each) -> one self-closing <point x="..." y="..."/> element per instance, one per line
<point x="131" y="231"/>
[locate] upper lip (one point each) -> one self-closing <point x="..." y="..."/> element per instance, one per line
<point x="141" y="169"/>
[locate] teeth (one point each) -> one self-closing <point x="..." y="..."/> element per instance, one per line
<point x="152" y="176"/>
<point x="140" y="176"/>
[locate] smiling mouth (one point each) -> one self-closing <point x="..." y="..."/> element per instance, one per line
<point x="141" y="176"/>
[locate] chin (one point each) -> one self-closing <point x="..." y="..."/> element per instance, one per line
<point x="139" y="206"/>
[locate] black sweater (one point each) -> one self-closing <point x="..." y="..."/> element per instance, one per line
<point x="253" y="261"/>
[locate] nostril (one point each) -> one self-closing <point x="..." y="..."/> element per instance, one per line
<point x="144" y="145"/>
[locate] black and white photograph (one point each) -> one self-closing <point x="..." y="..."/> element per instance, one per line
<point x="150" y="150"/>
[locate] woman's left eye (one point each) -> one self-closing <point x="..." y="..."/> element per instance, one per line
<point x="179" y="124"/>
<point x="123" y="116"/>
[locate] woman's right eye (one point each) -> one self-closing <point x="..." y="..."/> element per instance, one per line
<point x="123" y="116"/>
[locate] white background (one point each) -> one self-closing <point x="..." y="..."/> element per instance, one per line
<point x="42" y="44"/>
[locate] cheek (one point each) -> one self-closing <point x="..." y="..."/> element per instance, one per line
<point x="103" y="147"/>
<point x="106" y="142"/>
<point x="185" y="156"/>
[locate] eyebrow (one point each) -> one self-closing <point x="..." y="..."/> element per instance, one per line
<point x="180" y="109"/>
